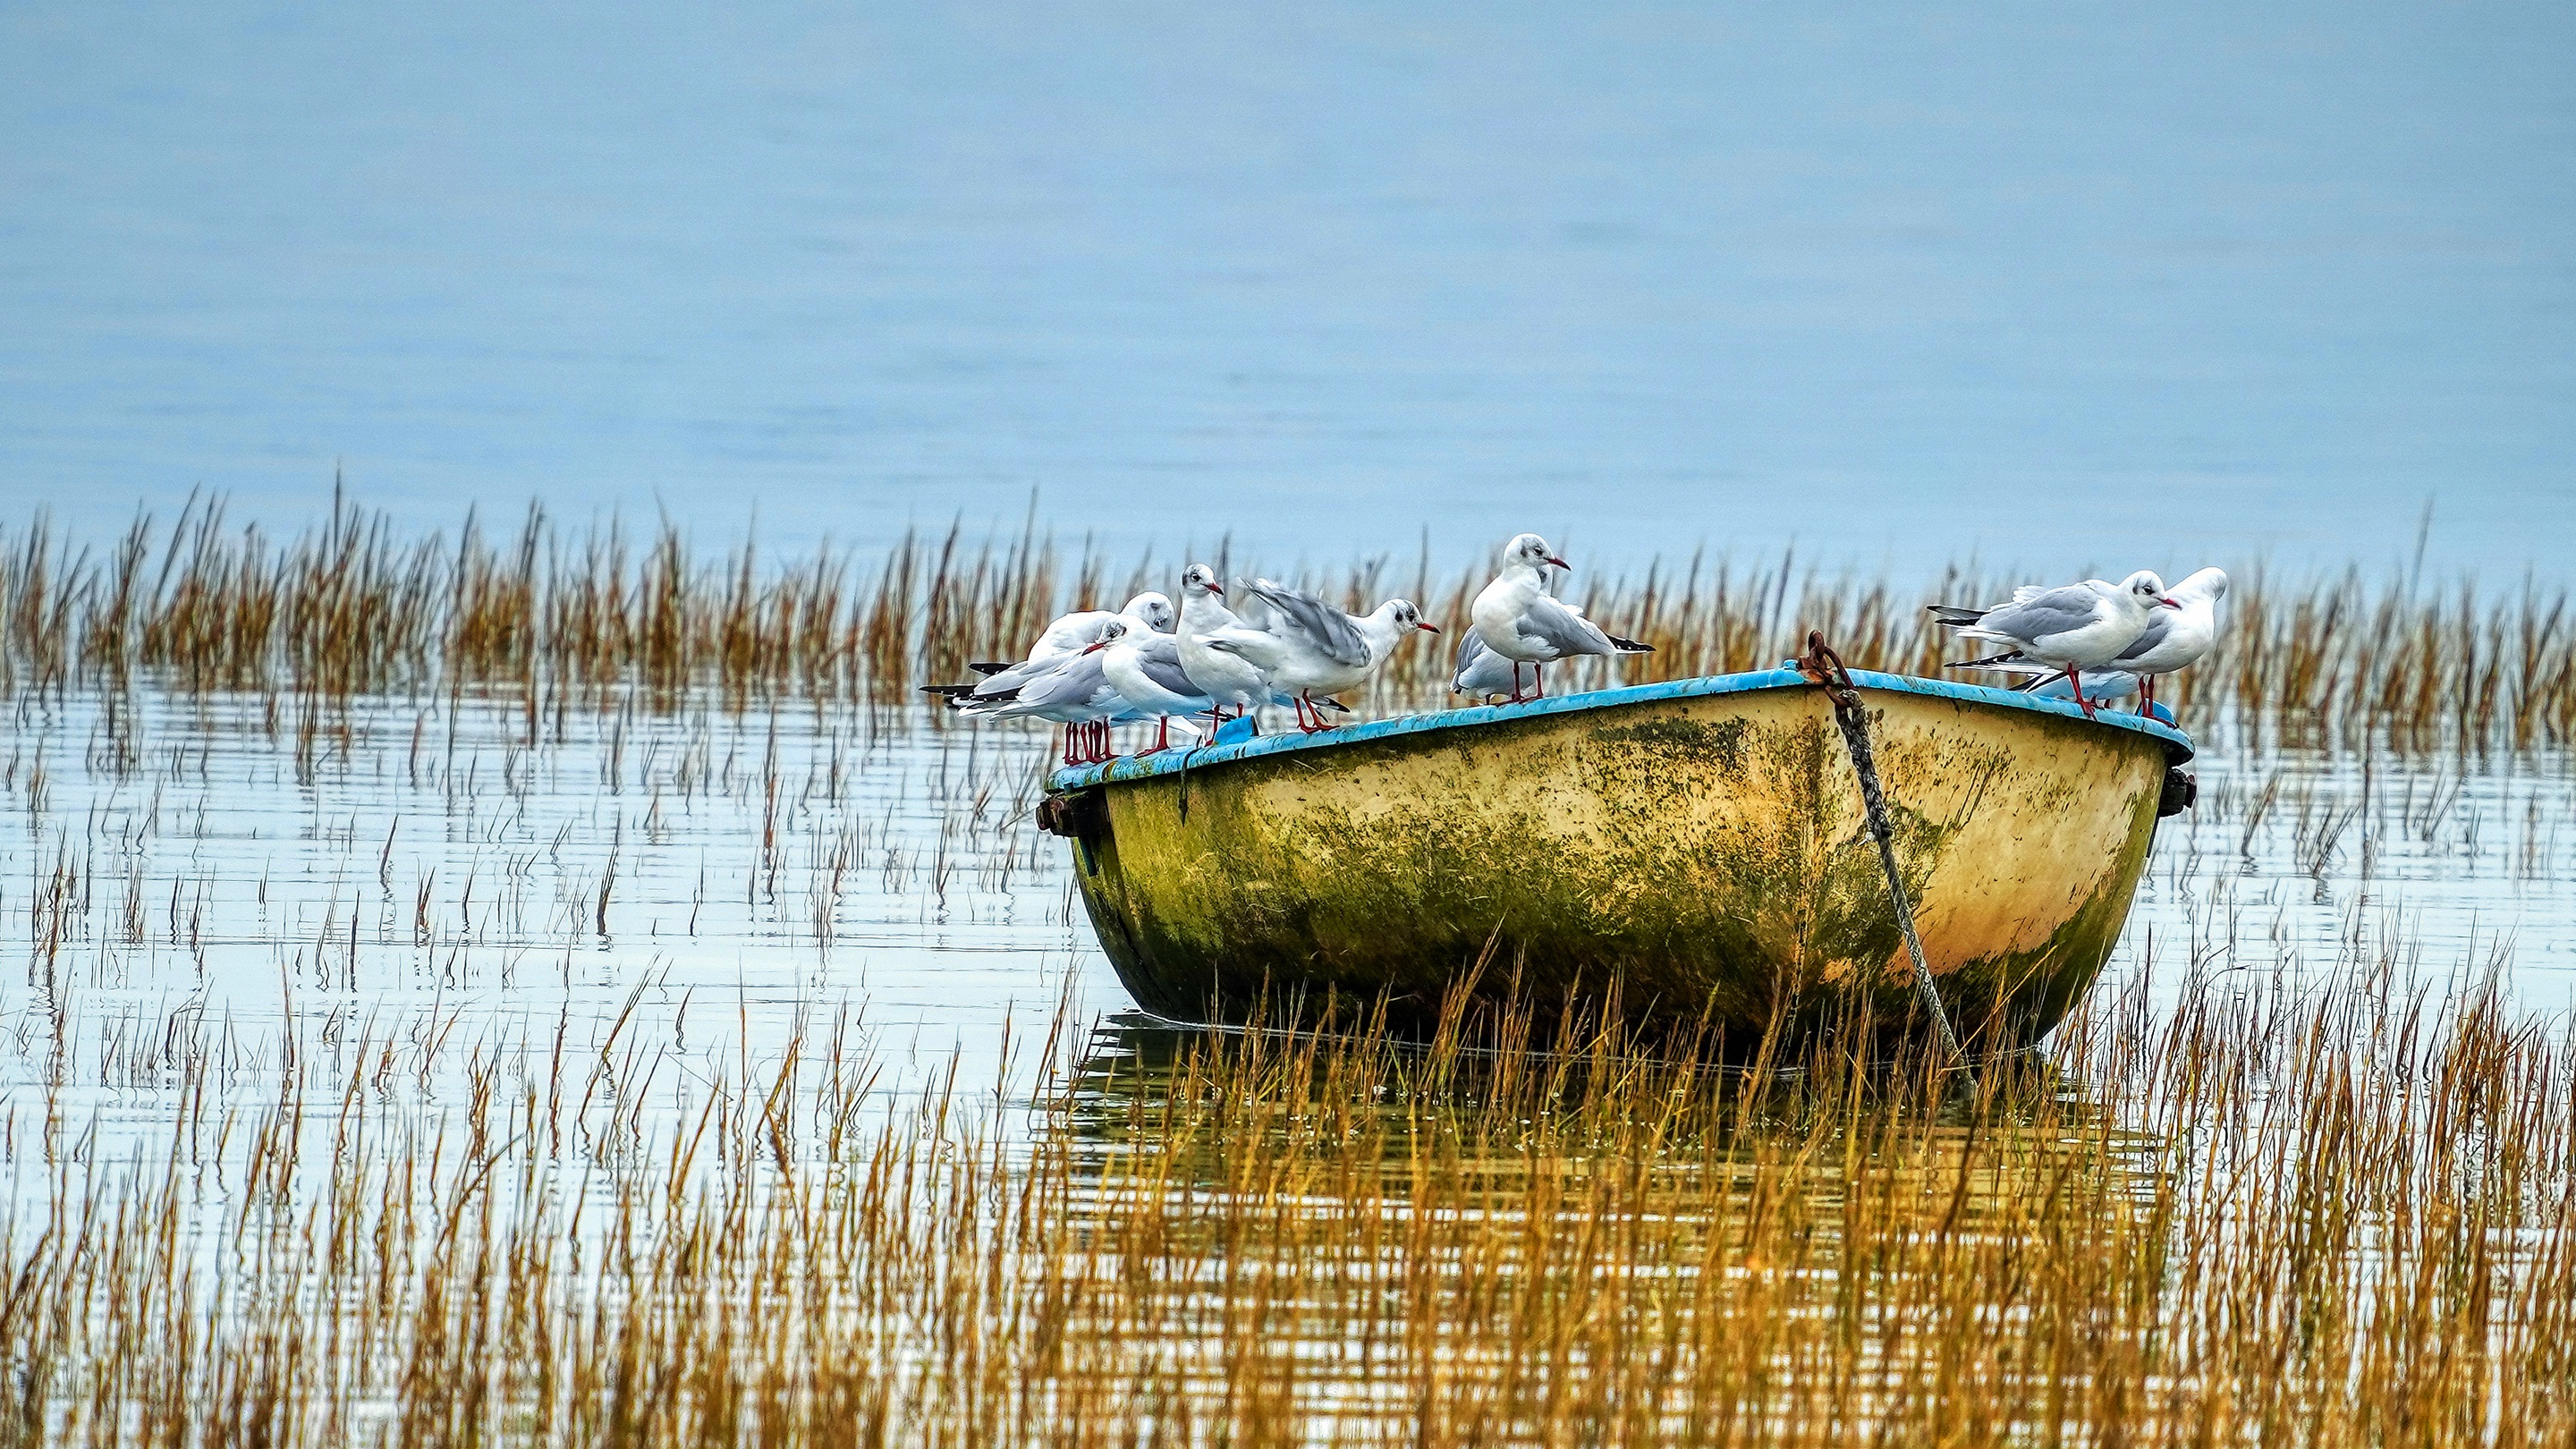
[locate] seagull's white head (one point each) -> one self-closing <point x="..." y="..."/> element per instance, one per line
<point x="1198" y="581"/>
<point x="1406" y="616"/>
<point x="1110" y="633"/>
<point x="1153" y="610"/>
<point x="2149" y="589"/>
<point x="1531" y="551"/>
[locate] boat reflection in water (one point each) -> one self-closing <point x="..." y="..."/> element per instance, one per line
<point x="1374" y="1240"/>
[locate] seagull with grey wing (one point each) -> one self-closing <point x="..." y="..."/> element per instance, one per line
<point x="2175" y="639"/>
<point x="1073" y="691"/>
<point x="1313" y="648"/>
<point x="1519" y="620"/>
<point x="1225" y="676"/>
<point x="1482" y="673"/>
<point x="1067" y="635"/>
<point x="1145" y="668"/>
<point x="2073" y="627"/>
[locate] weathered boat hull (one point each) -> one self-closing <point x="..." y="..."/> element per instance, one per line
<point x="1700" y="843"/>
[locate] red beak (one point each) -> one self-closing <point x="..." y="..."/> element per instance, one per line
<point x="1217" y="589"/>
<point x="1560" y="563"/>
<point x="1096" y="648"/>
<point x="1427" y="628"/>
<point x="2170" y="603"/>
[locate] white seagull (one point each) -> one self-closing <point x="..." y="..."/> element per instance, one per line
<point x="1145" y="668"/>
<point x="1071" y="690"/>
<point x="1522" y="622"/>
<point x="2174" y="640"/>
<point x="1069" y="634"/>
<point x="2102" y="686"/>
<point x="2073" y="627"/>
<point x="1314" y="648"/>
<point x="1481" y="672"/>
<point x="1225" y="677"/>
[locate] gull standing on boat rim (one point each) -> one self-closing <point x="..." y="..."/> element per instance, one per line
<point x="1226" y="678"/>
<point x="1145" y="668"/>
<point x="1482" y="673"/>
<point x="2074" y="627"/>
<point x="1072" y="690"/>
<point x="2175" y="639"/>
<point x="1519" y="620"/>
<point x="1314" y="648"/>
<point x="1069" y="634"/>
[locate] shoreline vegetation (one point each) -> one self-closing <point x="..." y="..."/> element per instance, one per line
<point x="352" y="606"/>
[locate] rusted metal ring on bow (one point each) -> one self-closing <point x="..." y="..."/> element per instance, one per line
<point x="1821" y="664"/>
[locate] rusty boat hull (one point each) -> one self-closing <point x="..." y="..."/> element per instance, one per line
<point x="1699" y="843"/>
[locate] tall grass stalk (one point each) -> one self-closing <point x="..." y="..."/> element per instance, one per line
<point x="351" y="607"/>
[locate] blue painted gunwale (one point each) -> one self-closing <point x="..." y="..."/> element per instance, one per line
<point x="1174" y="761"/>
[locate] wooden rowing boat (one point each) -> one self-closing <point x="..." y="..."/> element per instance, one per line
<point x="1699" y="842"/>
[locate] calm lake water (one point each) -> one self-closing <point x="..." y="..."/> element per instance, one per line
<point x="2070" y="286"/>
<point x="701" y="884"/>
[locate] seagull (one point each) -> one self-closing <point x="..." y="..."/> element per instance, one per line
<point x="2073" y="627"/>
<point x="2174" y="640"/>
<point x="1069" y="634"/>
<point x="1482" y="672"/>
<point x="2102" y="686"/>
<point x="1312" y="647"/>
<point x="1074" y="692"/>
<point x="1223" y="676"/>
<point x="1520" y="621"/>
<point x="1145" y="668"/>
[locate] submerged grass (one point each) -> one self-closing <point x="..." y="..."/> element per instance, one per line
<point x="351" y="607"/>
<point x="2343" y="1219"/>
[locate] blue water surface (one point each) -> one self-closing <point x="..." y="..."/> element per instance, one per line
<point x="2065" y="284"/>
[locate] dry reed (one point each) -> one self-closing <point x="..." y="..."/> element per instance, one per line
<point x="2341" y="1220"/>
<point x="2341" y="661"/>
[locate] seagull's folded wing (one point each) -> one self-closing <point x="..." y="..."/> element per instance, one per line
<point x="1326" y="629"/>
<point x="1564" y="627"/>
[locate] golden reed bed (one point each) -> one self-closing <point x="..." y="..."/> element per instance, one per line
<point x="350" y="606"/>
<point x="2344" y="1221"/>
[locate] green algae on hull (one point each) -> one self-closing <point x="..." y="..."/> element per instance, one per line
<point x="1702" y="848"/>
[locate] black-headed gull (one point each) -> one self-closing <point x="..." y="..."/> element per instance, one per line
<point x="1072" y="690"/>
<point x="2074" y="627"/>
<point x="1482" y="673"/>
<point x="2102" y="686"/>
<point x="1314" y="648"/>
<point x="1068" y="634"/>
<point x="2174" y="640"/>
<point x="1225" y="677"/>
<point x="1145" y="668"/>
<point x="1522" y="622"/>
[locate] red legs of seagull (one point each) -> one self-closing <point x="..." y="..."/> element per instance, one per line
<point x="1162" y="736"/>
<point x="2075" y="678"/>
